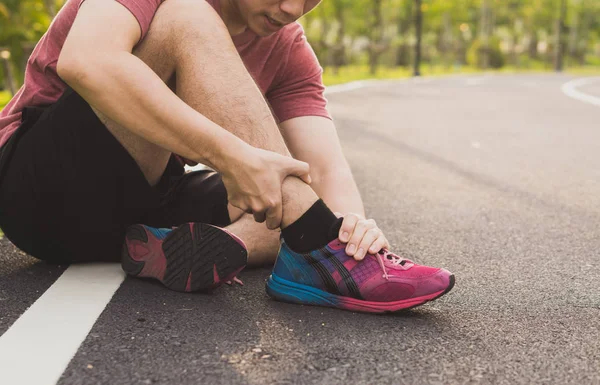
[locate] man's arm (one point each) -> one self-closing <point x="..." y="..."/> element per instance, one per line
<point x="314" y="139"/>
<point x="97" y="62"/>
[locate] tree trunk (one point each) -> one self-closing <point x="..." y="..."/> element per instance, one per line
<point x="583" y="33"/>
<point x="560" y="26"/>
<point x="484" y="50"/>
<point x="322" y="42"/>
<point x="376" y="34"/>
<point x="338" y="46"/>
<point x="533" y="43"/>
<point x="9" y="77"/>
<point x="404" y="26"/>
<point x="419" y="34"/>
<point x="573" y="37"/>
<point x="514" y="56"/>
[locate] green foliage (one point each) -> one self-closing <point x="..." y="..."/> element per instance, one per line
<point x="520" y="32"/>
<point x="350" y="32"/>
<point x="475" y="56"/>
<point x="22" y="23"/>
<point x="4" y="99"/>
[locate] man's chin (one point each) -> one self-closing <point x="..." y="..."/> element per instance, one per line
<point x="260" y="29"/>
<point x="261" y="32"/>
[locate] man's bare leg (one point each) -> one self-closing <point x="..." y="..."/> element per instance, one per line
<point x="188" y="42"/>
<point x="213" y="80"/>
<point x="262" y="243"/>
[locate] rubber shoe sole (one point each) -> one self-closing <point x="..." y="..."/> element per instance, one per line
<point x="286" y="291"/>
<point x="192" y="257"/>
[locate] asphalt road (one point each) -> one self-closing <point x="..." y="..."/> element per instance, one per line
<point x="496" y="178"/>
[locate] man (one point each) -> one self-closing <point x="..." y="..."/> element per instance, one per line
<point x="119" y="93"/>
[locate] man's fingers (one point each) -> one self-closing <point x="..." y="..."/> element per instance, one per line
<point x="259" y="216"/>
<point x="357" y="235"/>
<point x="361" y="228"/>
<point x="299" y="169"/>
<point x="379" y="244"/>
<point x="348" y="225"/>
<point x="274" y="215"/>
<point x="237" y="203"/>
<point x="366" y="242"/>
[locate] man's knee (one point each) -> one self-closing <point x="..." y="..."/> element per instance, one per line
<point x="178" y="27"/>
<point x="186" y="21"/>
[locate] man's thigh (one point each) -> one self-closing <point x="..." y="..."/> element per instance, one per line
<point x="69" y="189"/>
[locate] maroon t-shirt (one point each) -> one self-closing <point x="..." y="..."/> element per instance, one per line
<point x="283" y="65"/>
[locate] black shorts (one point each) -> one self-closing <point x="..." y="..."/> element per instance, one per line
<point x="69" y="190"/>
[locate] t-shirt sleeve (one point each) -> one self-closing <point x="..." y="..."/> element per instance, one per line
<point x="298" y="88"/>
<point x="142" y="10"/>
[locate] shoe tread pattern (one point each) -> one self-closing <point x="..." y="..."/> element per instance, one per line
<point x="178" y="249"/>
<point x="196" y="251"/>
<point x="214" y="247"/>
<point x="131" y="266"/>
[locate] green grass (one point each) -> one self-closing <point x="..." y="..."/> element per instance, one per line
<point x="361" y="72"/>
<point x="584" y="71"/>
<point x="4" y="98"/>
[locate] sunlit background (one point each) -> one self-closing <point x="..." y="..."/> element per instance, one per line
<point x="360" y="39"/>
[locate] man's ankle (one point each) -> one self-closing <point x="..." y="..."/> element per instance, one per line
<point x="314" y="229"/>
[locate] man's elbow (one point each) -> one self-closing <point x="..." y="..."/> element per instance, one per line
<point x="72" y="69"/>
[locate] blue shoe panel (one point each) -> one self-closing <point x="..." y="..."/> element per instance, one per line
<point x="158" y="233"/>
<point x="287" y="291"/>
<point x="293" y="267"/>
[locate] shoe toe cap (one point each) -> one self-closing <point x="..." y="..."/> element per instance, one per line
<point x="441" y="281"/>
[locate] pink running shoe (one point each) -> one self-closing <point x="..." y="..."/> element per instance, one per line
<point x="191" y="257"/>
<point x="382" y="282"/>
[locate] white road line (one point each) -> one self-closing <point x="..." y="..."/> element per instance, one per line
<point x="355" y="85"/>
<point x="349" y="86"/>
<point x="570" y="89"/>
<point x="37" y="348"/>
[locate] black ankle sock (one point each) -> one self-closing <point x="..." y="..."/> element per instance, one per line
<point x="314" y="229"/>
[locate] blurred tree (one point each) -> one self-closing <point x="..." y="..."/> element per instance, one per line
<point x="22" y="24"/>
<point x="485" y="33"/>
<point x="559" y="42"/>
<point x="376" y="44"/>
<point x="338" y="49"/>
<point x="404" y="22"/>
<point x="484" y="28"/>
<point x="419" y="35"/>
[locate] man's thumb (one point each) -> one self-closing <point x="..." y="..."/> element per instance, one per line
<point x="299" y="169"/>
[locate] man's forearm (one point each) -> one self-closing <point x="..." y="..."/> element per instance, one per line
<point x="339" y="191"/>
<point x="127" y="91"/>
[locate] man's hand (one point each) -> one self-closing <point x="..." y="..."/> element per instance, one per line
<point x="254" y="180"/>
<point x="361" y="235"/>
